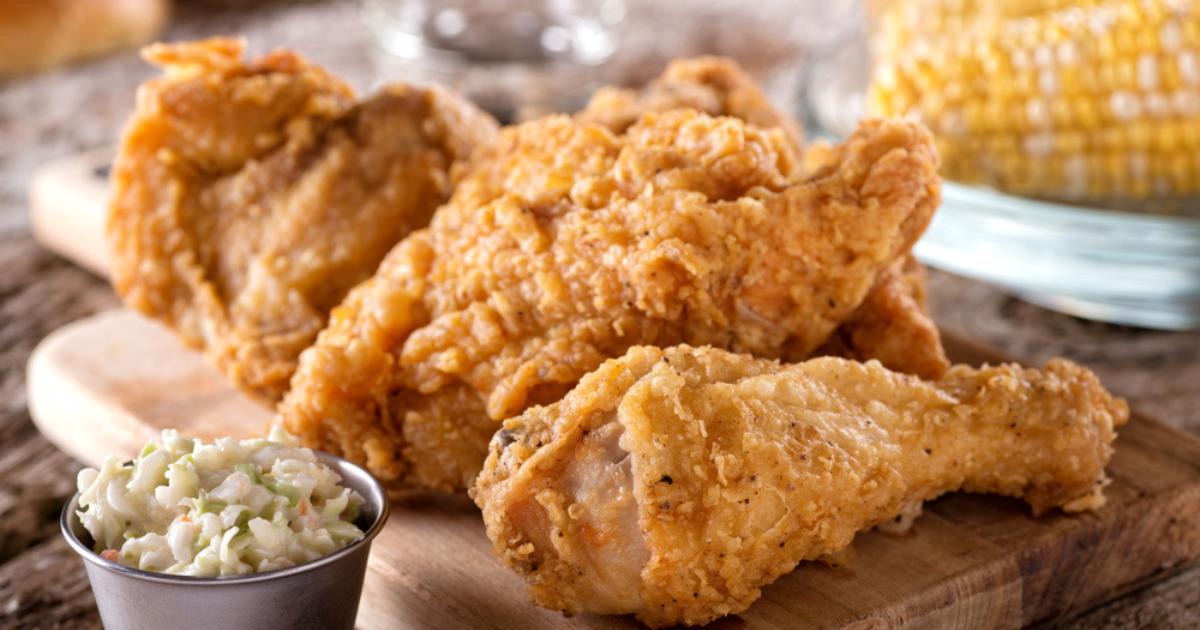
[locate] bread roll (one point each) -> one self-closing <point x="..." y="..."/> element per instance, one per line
<point x="38" y="34"/>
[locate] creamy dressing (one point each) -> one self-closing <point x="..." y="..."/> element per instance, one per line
<point x="226" y="507"/>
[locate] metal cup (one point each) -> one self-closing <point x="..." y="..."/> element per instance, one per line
<point x="322" y="594"/>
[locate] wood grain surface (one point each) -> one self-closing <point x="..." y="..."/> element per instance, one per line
<point x="108" y="383"/>
<point x="104" y="384"/>
<point x="77" y="108"/>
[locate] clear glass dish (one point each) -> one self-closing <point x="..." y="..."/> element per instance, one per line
<point x="1121" y="267"/>
<point x="513" y="59"/>
<point x="523" y="58"/>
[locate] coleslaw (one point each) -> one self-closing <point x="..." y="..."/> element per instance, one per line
<point x="226" y="507"/>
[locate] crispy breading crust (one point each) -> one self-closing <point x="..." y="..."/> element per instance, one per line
<point x="893" y="323"/>
<point x="893" y="326"/>
<point x="743" y="467"/>
<point x="716" y="86"/>
<point x="250" y="197"/>
<point x="567" y="244"/>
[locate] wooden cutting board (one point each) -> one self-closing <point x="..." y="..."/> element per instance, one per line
<point x="105" y="384"/>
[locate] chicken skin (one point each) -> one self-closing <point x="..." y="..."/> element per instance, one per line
<point x="674" y="484"/>
<point x="250" y="197"/>
<point x="713" y="85"/>
<point x="892" y="326"/>
<point x="893" y="323"/>
<point x="567" y="244"/>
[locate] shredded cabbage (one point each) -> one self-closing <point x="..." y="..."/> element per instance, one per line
<point x="227" y="507"/>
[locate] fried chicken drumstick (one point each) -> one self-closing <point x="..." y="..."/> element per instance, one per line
<point x="568" y="244"/>
<point x="250" y="197"/>
<point x="673" y="484"/>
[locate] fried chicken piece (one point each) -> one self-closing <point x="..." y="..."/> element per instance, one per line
<point x="567" y="244"/>
<point x="893" y="323"/>
<point x="250" y="197"/>
<point x="893" y="326"/>
<point x="716" y="86"/>
<point x="674" y="484"/>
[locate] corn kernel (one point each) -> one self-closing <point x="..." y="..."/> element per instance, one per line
<point x="1074" y="98"/>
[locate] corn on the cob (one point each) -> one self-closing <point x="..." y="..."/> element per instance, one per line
<point x="1084" y="100"/>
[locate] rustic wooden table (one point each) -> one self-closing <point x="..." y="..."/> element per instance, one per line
<point x="58" y="113"/>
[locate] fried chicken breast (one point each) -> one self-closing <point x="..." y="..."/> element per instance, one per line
<point x="567" y="244"/>
<point x="893" y="323"/>
<point x="250" y="197"/>
<point x="673" y="484"/>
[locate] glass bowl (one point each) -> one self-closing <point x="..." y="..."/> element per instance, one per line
<point x="1120" y="267"/>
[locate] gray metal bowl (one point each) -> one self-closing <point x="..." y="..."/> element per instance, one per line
<point x="323" y="593"/>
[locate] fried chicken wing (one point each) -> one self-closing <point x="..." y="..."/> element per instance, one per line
<point x="250" y="197"/>
<point x="893" y="323"/>
<point x="673" y="484"/>
<point x="567" y="244"/>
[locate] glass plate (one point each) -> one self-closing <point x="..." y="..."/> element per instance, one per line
<point x="1120" y="267"/>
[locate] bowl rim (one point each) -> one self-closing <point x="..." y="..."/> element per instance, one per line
<point x="68" y="517"/>
<point x="978" y="197"/>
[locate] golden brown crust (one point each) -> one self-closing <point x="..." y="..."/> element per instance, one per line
<point x="743" y="467"/>
<point x="716" y="86"/>
<point x="893" y="326"/>
<point x="250" y="197"/>
<point x="37" y="34"/>
<point x="568" y="244"/>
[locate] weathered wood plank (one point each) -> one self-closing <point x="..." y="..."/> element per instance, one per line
<point x="1167" y="604"/>
<point x="38" y="293"/>
<point x="37" y="479"/>
<point x="46" y="587"/>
